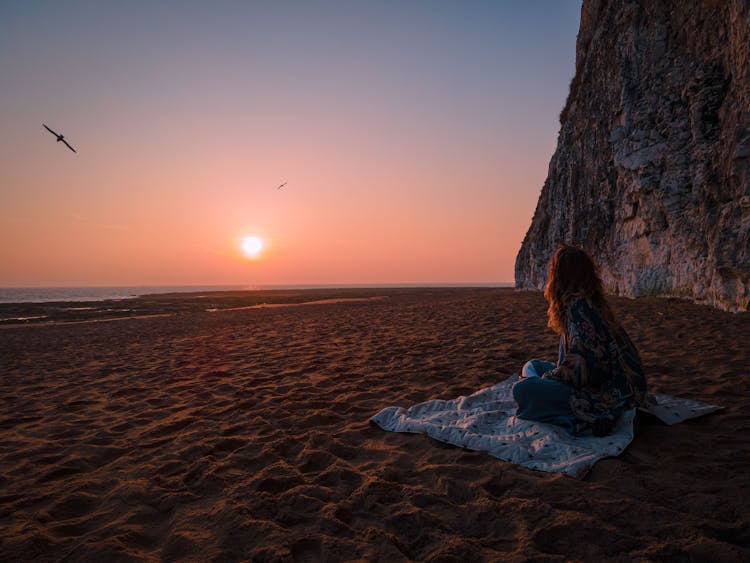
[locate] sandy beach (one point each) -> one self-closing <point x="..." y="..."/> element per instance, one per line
<point x="244" y="435"/>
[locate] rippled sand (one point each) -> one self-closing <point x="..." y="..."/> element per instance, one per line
<point x="244" y="435"/>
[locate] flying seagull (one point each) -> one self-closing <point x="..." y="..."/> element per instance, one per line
<point x="282" y="185"/>
<point x="59" y="138"/>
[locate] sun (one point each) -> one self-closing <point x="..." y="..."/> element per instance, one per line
<point x="252" y="247"/>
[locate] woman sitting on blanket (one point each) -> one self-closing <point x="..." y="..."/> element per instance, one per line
<point x="599" y="374"/>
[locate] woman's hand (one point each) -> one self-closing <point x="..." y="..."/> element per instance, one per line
<point x="571" y="370"/>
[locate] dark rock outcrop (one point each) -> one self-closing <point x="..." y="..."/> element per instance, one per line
<point x="652" y="169"/>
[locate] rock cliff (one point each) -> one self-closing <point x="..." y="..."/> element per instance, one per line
<point x="652" y="169"/>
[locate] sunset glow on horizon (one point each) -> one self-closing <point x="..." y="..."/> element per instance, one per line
<point x="268" y="143"/>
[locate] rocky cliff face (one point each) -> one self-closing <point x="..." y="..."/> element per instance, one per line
<point x="652" y="169"/>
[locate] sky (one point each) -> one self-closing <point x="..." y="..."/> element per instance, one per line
<point x="414" y="137"/>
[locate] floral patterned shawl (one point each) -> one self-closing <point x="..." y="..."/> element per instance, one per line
<point x="600" y="363"/>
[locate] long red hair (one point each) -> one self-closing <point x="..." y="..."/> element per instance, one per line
<point x="572" y="275"/>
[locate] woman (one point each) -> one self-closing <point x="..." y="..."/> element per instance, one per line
<point x="599" y="374"/>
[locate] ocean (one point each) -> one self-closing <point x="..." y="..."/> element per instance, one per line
<point x="50" y="294"/>
<point x="73" y="294"/>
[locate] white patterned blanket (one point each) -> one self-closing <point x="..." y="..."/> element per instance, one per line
<point x="486" y="421"/>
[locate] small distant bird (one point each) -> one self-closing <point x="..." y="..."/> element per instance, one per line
<point x="282" y="185"/>
<point x="59" y="138"/>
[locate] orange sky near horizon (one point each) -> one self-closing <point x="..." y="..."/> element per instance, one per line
<point x="414" y="137"/>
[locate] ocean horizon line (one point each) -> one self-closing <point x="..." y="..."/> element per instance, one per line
<point x="44" y="294"/>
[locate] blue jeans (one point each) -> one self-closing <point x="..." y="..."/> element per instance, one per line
<point x="543" y="400"/>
